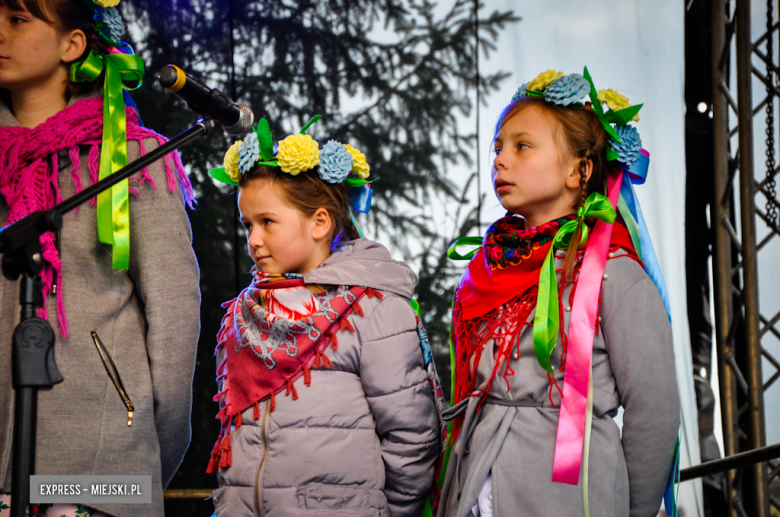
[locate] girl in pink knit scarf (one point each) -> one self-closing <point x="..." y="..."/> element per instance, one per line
<point x="47" y="119"/>
<point x="29" y="165"/>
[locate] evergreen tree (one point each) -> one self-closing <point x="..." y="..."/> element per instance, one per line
<point x="389" y="77"/>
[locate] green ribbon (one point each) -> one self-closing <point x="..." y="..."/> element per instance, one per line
<point x="598" y="109"/>
<point x="631" y="224"/>
<point x="453" y="254"/>
<point x="545" y="334"/>
<point x="353" y="182"/>
<point x="113" y="211"/>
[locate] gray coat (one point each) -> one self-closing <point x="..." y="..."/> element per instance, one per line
<point x="148" y="318"/>
<point x="362" y="440"/>
<point x="633" y="367"/>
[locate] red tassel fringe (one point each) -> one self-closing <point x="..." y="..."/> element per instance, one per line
<point x="291" y="388"/>
<point x="345" y="324"/>
<point x="372" y="292"/>
<point x="470" y="336"/>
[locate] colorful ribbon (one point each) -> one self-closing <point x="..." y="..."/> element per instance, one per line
<point x="360" y="198"/>
<point x="113" y="211"/>
<point x="582" y="325"/>
<point x="546" y="321"/>
<point x="631" y="211"/>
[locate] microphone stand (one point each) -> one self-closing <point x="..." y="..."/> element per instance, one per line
<point x="32" y="355"/>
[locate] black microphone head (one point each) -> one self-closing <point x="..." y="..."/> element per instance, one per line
<point x="171" y="77"/>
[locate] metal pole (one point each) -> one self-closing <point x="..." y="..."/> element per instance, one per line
<point x="721" y="253"/>
<point x="756" y="438"/>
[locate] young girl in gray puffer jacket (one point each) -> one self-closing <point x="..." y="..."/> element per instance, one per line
<point x="326" y="394"/>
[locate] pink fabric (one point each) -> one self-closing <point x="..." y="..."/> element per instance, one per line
<point x="75" y="173"/>
<point x="582" y="326"/>
<point x="29" y="172"/>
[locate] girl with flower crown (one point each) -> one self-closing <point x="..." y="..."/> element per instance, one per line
<point x="559" y="320"/>
<point x="120" y="280"/>
<point x="327" y="389"/>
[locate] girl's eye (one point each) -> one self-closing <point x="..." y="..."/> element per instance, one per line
<point x="522" y="146"/>
<point x="497" y="151"/>
<point x="16" y="20"/>
<point x="267" y="221"/>
<point x="248" y="226"/>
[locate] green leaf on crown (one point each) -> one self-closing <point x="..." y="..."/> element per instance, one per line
<point x="623" y="116"/>
<point x="220" y="175"/>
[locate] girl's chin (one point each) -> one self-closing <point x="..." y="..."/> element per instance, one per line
<point x="511" y="207"/>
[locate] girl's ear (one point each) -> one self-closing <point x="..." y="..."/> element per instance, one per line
<point x="322" y="224"/>
<point x="573" y="175"/>
<point x="74" y="45"/>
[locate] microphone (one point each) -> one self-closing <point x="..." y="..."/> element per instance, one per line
<point x="236" y="119"/>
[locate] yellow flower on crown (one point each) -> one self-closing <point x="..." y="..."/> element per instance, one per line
<point x="543" y="80"/>
<point x="298" y="153"/>
<point x="615" y="101"/>
<point x="231" y="162"/>
<point x="107" y="3"/>
<point x="359" y="164"/>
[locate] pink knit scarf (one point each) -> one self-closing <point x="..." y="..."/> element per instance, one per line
<point x="29" y="172"/>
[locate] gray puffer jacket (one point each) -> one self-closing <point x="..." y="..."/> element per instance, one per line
<point x="362" y="440"/>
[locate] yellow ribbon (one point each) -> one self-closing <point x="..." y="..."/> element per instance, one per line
<point x="113" y="211"/>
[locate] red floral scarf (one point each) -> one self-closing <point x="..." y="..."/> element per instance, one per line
<point x="498" y="293"/>
<point x="273" y="333"/>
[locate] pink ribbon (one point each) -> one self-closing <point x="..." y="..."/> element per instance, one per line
<point x="582" y="326"/>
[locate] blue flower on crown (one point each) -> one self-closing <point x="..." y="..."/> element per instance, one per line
<point x="520" y="93"/>
<point x="567" y="90"/>
<point x="113" y="20"/>
<point x="631" y="147"/>
<point x="248" y="153"/>
<point x="335" y="162"/>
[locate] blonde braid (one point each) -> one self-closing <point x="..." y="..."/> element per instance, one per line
<point x="583" y="180"/>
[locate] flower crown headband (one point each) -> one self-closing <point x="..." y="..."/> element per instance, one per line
<point x="625" y="145"/>
<point x="108" y="21"/>
<point x="299" y="153"/>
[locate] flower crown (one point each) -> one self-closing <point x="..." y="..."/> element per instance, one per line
<point x="295" y="154"/>
<point x="625" y="145"/>
<point x="108" y="21"/>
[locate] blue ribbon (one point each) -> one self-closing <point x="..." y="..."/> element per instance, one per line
<point x="670" y="495"/>
<point x="637" y="173"/>
<point x="360" y="199"/>
<point x="130" y="103"/>
<point x="652" y="267"/>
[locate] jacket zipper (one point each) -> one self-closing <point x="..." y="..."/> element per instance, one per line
<point x="114" y="375"/>
<point x="258" y="507"/>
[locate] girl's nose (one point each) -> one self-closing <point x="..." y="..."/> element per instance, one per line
<point x="254" y="239"/>
<point x="499" y="162"/>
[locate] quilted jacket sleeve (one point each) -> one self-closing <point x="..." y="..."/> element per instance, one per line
<point x="395" y="382"/>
